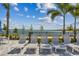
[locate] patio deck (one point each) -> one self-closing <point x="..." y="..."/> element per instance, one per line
<point x="14" y="49"/>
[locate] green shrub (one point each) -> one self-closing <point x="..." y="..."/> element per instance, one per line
<point x="49" y="40"/>
<point x="14" y="37"/>
<point x="39" y="39"/>
<point x="1" y="34"/>
<point x="73" y="40"/>
<point x="61" y="40"/>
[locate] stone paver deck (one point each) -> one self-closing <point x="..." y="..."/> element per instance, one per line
<point x="6" y="48"/>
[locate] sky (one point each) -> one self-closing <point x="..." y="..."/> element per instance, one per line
<point x="35" y="14"/>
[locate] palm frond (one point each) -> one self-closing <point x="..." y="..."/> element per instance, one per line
<point x="53" y="13"/>
<point x="69" y="7"/>
<point x="6" y="5"/>
<point x="64" y="7"/>
<point x="75" y="10"/>
<point x="61" y="6"/>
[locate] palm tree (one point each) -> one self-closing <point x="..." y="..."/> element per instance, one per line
<point x="15" y="30"/>
<point x="7" y="7"/>
<point x="75" y="13"/>
<point x="62" y="10"/>
<point x="39" y="41"/>
<point x="30" y="33"/>
<point x="41" y="30"/>
<point x="4" y="28"/>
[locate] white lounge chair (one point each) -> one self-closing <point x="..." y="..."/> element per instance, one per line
<point x="45" y="49"/>
<point x="67" y="39"/>
<point x="55" y="40"/>
<point x="57" y="47"/>
<point x="44" y="39"/>
<point x="31" y="49"/>
<point x="77" y="38"/>
<point x="21" y="43"/>
<point x="34" y="39"/>
<point x="4" y="40"/>
<point x="55" y="43"/>
<point x="73" y="49"/>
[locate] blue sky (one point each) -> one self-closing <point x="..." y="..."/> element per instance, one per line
<point x="27" y="14"/>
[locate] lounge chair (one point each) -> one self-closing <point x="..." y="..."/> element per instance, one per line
<point x="67" y="39"/>
<point x="73" y="49"/>
<point x="3" y="40"/>
<point x="55" y="41"/>
<point x="23" y="40"/>
<point x="77" y="39"/>
<point x="57" y="48"/>
<point x="20" y="43"/>
<point x="15" y="51"/>
<point x="45" y="49"/>
<point x="34" y="39"/>
<point x="31" y="49"/>
<point x="45" y="40"/>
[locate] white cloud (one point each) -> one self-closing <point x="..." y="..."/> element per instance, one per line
<point x="26" y="9"/>
<point x="27" y="16"/>
<point x="15" y="25"/>
<point x="40" y="18"/>
<point x="16" y="8"/>
<point x="14" y="4"/>
<point x="58" y="20"/>
<point x="49" y="20"/>
<point x="4" y="21"/>
<point x="20" y="14"/>
<point x="39" y="5"/>
<point x="46" y="19"/>
<point x="45" y="6"/>
<point x="33" y="17"/>
<point x="42" y="11"/>
<point x="50" y="5"/>
<point x="61" y="17"/>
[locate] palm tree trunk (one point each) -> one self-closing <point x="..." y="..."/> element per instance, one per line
<point x="29" y="37"/>
<point x="63" y="24"/>
<point x="7" y="15"/>
<point x="39" y="47"/>
<point x="75" y="29"/>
